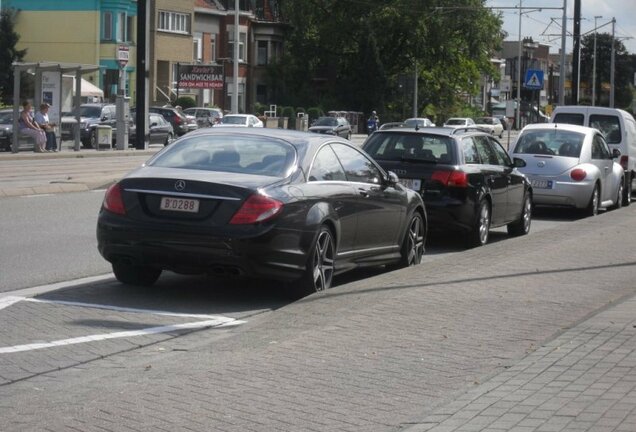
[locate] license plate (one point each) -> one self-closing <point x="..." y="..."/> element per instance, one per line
<point x="414" y="184"/>
<point x="179" y="204"/>
<point x="542" y="184"/>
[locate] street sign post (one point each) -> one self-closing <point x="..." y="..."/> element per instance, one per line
<point x="123" y="54"/>
<point x="534" y="79"/>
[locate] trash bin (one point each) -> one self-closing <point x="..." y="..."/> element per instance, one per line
<point x="104" y="137"/>
<point x="302" y="124"/>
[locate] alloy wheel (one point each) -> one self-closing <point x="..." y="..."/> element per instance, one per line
<point x="415" y="239"/>
<point x="527" y="214"/>
<point x="484" y="223"/>
<point x="323" y="261"/>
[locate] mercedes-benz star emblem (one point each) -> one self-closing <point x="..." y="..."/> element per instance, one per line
<point x="180" y="185"/>
<point x="541" y="164"/>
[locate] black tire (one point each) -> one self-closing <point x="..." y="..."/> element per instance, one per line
<point x="320" y="264"/>
<point x="620" y="194"/>
<point x="522" y="225"/>
<point x="627" y="191"/>
<point x="413" y="242"/>
<point x="478" y="236"/>
<point x="595" y="202"/>
<point x="91" y="142"/>
<point x="169" y="139"/>
<point x="129" y="274"/>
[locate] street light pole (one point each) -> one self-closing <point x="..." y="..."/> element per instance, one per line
<point x="612" y="64"/>
<point x="562" y="71"/>
<point x="235" y="109"/>
<point x="518" y="112"/>
<point x="594" y="64"/>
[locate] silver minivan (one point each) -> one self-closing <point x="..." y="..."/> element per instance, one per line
<point x="618" y="127"/>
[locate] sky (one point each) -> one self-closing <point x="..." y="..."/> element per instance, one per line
<point x="540" y="26"/>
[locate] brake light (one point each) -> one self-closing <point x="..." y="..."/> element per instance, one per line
<point x="624" y="160"/>
<point x="177" y="120"/>
<point x="113" y="201"/>
<point x="451" y="178"/>
<point x="578" y="174"/>
<point x="257" y="208"/>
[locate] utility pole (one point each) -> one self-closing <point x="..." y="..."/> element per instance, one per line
<point x="235" y="108"/>
<point x="518" y="111"/>
<point x="562" y="71"/>
<point x="576" y="50"/>
<point x="415" y="113"/>
<point x="594" y="64"/>
<point x="612" y="64"/>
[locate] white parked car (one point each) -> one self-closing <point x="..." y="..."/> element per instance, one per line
<point x="458" y="122"/>
<point x="570" y="165"/>
<point x="240" y="120"/>
<point x="418" y="122"/>
<point x="491" y="124"/>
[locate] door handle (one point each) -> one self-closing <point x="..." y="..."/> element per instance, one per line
<point x="363" y="192"/>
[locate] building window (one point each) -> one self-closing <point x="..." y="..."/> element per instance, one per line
<point x="107" y="30"/>
<point x="121" y="27"/>
<point x="130" y="22"/>
<point x="174" y="22"/>
<point x="197" y="48"/>
<point x="242" y="43"/>
<point x="213" y="48"/>
<point x="262" y="53"/>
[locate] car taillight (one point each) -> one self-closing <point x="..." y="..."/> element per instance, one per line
<point x="113" y="201"/>
<point x="177" y="120"/>
<point x="257" y="208"/>
<point x="578" y="174"/>
<point x="451" y="178"/>
<point x="624" y="160"/>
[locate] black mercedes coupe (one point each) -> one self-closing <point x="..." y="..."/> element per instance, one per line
<point x="283" y="205"/>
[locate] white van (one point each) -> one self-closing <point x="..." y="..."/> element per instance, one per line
<point x="619" y="128"/>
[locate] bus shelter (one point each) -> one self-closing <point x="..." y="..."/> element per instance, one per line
<point x="49" y="89"/>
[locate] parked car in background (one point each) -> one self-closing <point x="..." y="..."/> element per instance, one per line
<point x="458" y="122"/>
<point x="571" y="166"/>
<point x="391" y="125"/>
<point x="178" y="120"/>
<point x="504" y="121"/>
<point x="160" y="130"/>
<point x="192" y="122"/>
<point x="206" y="117"/>
<point x="240" y="120"/>
<point x="91" y="115"/>
<point x="6" y="129"/>
<point x="338" y="126"/>
<point x="491" y="124"/>
<point x="268" y="203"/>
<point x="467" y="180"/>
<point x="619" y="129"/>
<point x="418" y="122"/>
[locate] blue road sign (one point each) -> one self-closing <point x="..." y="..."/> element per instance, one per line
<point x="534" y="79"/>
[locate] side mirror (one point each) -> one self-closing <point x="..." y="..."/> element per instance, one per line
<point x="392" y="179"/>
<point x="616" y="153"/>
<point x="518" y="163"/>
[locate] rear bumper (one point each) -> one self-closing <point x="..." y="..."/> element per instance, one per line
<point x="450" y="214"/>
<point x="567" y="194"/>
<point x="276" y="254"/>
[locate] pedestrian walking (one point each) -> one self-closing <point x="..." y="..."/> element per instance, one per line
<point x="42" y="119"/>
<point x="27" y="126"/>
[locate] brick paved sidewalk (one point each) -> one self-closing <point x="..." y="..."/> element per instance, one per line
<point x="583" y="380"/>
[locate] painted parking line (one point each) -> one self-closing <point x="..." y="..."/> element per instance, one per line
<point x="209" y="321"/>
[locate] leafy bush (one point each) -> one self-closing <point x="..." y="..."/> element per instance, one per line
<point x="185" y="102"/>
<point x="314" y="113"/>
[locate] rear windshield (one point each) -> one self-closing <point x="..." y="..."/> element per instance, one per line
<point x="411" y="146"/>
<point x="569" y="118"/>
<point x="244" y="154"/>
<point x="550" y="142"/>
<point x="456" y="122"/>
<point x="609" y="125"/>
<point x="237" y="120"/>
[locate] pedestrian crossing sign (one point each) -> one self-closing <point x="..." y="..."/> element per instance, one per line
<point x="534" y="79"/>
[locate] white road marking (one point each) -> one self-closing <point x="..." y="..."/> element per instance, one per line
<point x="8" y="301"/>
<point x="124" y="309"/>
<point x="36" y="196"/>
<point x="26" y="292"/>
<point x="124" y="334"/>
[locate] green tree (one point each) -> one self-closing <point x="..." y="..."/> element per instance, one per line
<point x="623" y="64"/>
<point x="349" y="55"/>
<point x="8" y="53"/>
